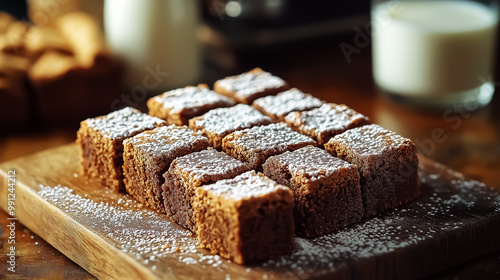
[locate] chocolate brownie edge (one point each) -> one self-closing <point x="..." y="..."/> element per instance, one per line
<point x="100" y="158"/>
<point x="176" y="201"/>
<point x="268" y="223"/>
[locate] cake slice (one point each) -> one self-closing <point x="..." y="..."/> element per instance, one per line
<point x="247" y="219"/>
<point x="387" y="165"/>
<point x="326" y="189"/>
<point x="247" y="87"/>
<point x="179" y="105"/>
<point x="324" y="122"/>
<point x="101" y="144"/>
<point x="218" y="123"/>
<point x="255" y="145"/>
<point x="148" y="155"/>
<point x="278" y="106"/>
<point x="191" y="171"/>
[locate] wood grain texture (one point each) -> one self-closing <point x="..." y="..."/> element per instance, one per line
<point x="112" y="236"/>
<point x="32" y="255"/>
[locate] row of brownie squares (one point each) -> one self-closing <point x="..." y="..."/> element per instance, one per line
<point x="389" y="173"/>
<point x="257" y="144"/>
<point x="164" y="165"/>
<point x="216" y="114"/>
<point x="326" y="190"/>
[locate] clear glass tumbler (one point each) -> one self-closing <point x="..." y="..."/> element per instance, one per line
<point x="435" y="53"/>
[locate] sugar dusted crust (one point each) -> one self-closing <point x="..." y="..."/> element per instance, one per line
<point x="209" y="166"/>
<point x="312" y="163"/>
<point x="247" y="186"/>
<point x="148" y="155"/>
<point x="166" y="140"/>
<point x="240" y="214"/>
<point x="292" y="100"/>
<point x="218" y="123"/>
<point x="372" y="140"/>
<point x="253" y="216"/>
<point x="123" y="123"/>
<point x="256" y="144"/>
<point x="179" y="105"/>
<point x="191" y="171"/>
<point x="247" y="87"/>
<point x="101" y="144"/>
<point x="326" y="189"/>
<point x="325" y="122"/>
<point x="387" y="164"/>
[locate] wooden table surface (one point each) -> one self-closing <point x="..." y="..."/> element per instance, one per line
<point x="466" y="141"/>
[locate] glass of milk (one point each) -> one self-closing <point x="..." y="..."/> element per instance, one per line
<point x="435" y="53"/>
<point x="157" y="40"/>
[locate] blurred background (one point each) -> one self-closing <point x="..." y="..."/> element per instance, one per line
<point x="63" y="61"/>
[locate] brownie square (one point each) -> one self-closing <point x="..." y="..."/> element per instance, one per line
<point x="246" y="219"/>
<point x="188" y="173"/>
<point x="101" y="144"/>
<point x="326" y="121"/>
<point x="387" y="165"/>
<point x="247" y="87"/>
<point x="147" y="156"/>
<point x="218" y="123"/>
<point x="326" y="189"/>
<point x="278" y="106"/>
<point x="179" y="105"/>
<point x="256" y="144"/>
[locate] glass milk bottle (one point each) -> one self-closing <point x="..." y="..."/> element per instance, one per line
<point x="435" y="53"/>
<point x="157" y="40"/>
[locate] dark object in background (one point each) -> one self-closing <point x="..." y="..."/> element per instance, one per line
<point x="14" y="98"/>
<point x="247" y="24"/>
<point x="235" y="26"/>
<point x="16" y="8"/>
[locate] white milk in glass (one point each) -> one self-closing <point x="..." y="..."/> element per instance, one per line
<point x="157" y="40"/>
<point x="433" y="48"/>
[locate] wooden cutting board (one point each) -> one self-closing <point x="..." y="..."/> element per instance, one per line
<point x="112" y="236"/>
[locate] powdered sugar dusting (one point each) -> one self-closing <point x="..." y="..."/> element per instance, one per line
<point x="246" y="185"/>
<point x="446" y="207"/>
<point x="430" y="217"/>
<point x="194" y="99"/>
<point x="288" y="101"/>
<point x="328" y="117"/>
<point x="312" y="162"/>
<point x="223" y="121"/>
<point x="208" y="165"/>
<point x="251" y="82"/>
<point x="123" y="123"/>
<point x="275" y="136"/>
<point x="371" y="139"/>
<point x="143" y="234"/>
<point x="166" y="140"/>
